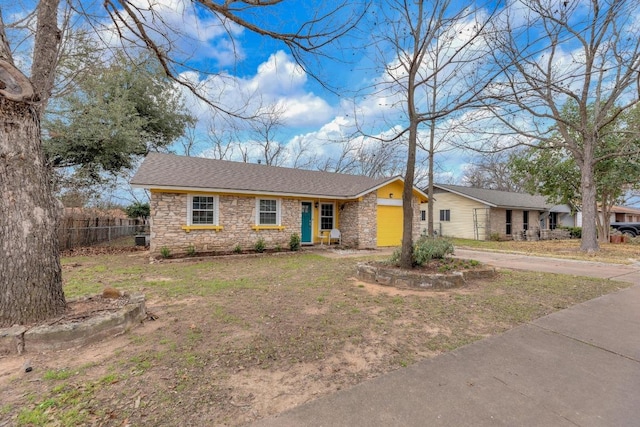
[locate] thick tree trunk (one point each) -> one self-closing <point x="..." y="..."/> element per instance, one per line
<point x="589" y="240"/>
<point x="30" y="274"/>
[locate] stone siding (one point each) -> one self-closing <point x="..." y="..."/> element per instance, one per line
<point x="499" y="221"/>
<point x="358" y="223"/>
<point x="416" y="219"/>
<point x="236" y="217"/>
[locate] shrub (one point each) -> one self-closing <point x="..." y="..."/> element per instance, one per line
<point x="294" y="242"/>
<point x="260" y="245"/>
<point x="191" y="250"/>
<point x="574" y="232"/>
<point x="165" y="252"/>
<point x="237" y="249"/>
<point x="494" y="237"/>
<point x="426" y="249"/>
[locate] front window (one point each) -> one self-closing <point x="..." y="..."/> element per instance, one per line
<point x="268" y="212"/>
<point x="423" y="215"/>
<point x="525" y="220"/>
<point x="326" y="216"/>
<point x="445" y="215"/>
<point x="203" y="210"/>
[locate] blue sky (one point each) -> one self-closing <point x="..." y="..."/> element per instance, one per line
<point x="247" y="70"/>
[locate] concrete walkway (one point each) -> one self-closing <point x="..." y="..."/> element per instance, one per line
<point x="576" y="367"/>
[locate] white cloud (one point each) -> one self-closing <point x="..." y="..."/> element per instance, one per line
<point x="278" y="81"/>
<point x="177" y="27"/>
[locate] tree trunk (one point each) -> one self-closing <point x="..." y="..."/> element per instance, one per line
<point x="30" y="273"/>
<point x="432" y="151"/>
<point x="589" y="241"/>
<point x="406" y="255"/>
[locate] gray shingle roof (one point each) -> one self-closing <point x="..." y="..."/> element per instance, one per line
<point x="179" y="172"/>
<point x="501" y="199"/>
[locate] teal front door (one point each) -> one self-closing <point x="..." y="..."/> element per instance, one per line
<point x="306" y="223"/>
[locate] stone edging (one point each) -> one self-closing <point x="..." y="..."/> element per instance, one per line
<point x="18" y="339"/>
<point x="403" y="279"/>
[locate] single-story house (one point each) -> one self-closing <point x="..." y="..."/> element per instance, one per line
<point x="624" y="214"/>
<point x="476" y="213"/>
<point x="618" y="214"/>
<point x="217" y="205"/>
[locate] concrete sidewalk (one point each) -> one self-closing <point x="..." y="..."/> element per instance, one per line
<point x="576" y="367"/>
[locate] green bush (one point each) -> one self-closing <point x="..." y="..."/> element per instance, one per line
<point x="191" y="250"/>
<point x="260" y="245"/>
<point x="165" y="252"/>
<point x="494" y="237"/>
<point x="574" y="232"/>
<point x="238" y="249"/>
<point x="425" y="249"/>
<point x="294" y="242"/>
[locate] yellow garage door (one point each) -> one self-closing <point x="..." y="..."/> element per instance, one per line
<point x="389" y="225"/>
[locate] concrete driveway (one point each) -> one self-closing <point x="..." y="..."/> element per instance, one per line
<point x="624" y="273"/>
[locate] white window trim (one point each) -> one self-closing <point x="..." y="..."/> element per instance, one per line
<point x="278" y="211"/>
<point x="320" y="217"/>
<point x="216" y="213"/>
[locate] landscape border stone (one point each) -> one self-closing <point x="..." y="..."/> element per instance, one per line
<point x="377" y="273"/>
<point x="20" y="339"/>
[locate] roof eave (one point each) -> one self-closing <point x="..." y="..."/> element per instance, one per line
<point x="168" y="188"/>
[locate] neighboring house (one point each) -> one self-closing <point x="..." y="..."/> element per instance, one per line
<point x="476" y="213"/>
<point x="218" y="205"/>
<point x="618" y="214"/>
<point x="625" y="214"/>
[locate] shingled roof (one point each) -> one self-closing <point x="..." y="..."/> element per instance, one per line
<point x="498" y="199"/>
<point x="168" y="171"/>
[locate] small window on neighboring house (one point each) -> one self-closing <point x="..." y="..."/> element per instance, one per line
<point x="445" y="215"/>
<point x="326" y="216"/>
<point x="525" y="220"/>
<point x="268" y="212"/>
<point x="203" y="210"/>
<point x="508" y="222"/>
<point x="423" y="215"/>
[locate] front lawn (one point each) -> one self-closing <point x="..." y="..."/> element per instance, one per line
<point x="241" y="338"/>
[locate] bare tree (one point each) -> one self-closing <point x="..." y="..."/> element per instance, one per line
<point x="585" y="53"/>
<point x="433" y="54"/>
<point x="30" y="273"/>
<point x="264" y="129"/>
<point x="492" y="171"/>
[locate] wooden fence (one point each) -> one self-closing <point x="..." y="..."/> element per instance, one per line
<point x="77" y="231"/>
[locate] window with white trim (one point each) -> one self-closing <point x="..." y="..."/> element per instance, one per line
<point x="445" y="215"/>
<point x="267" y="211"/>
<point x="423" y="215"/>
<point x="326" y="216"/>
<point x="203" y="210"/>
